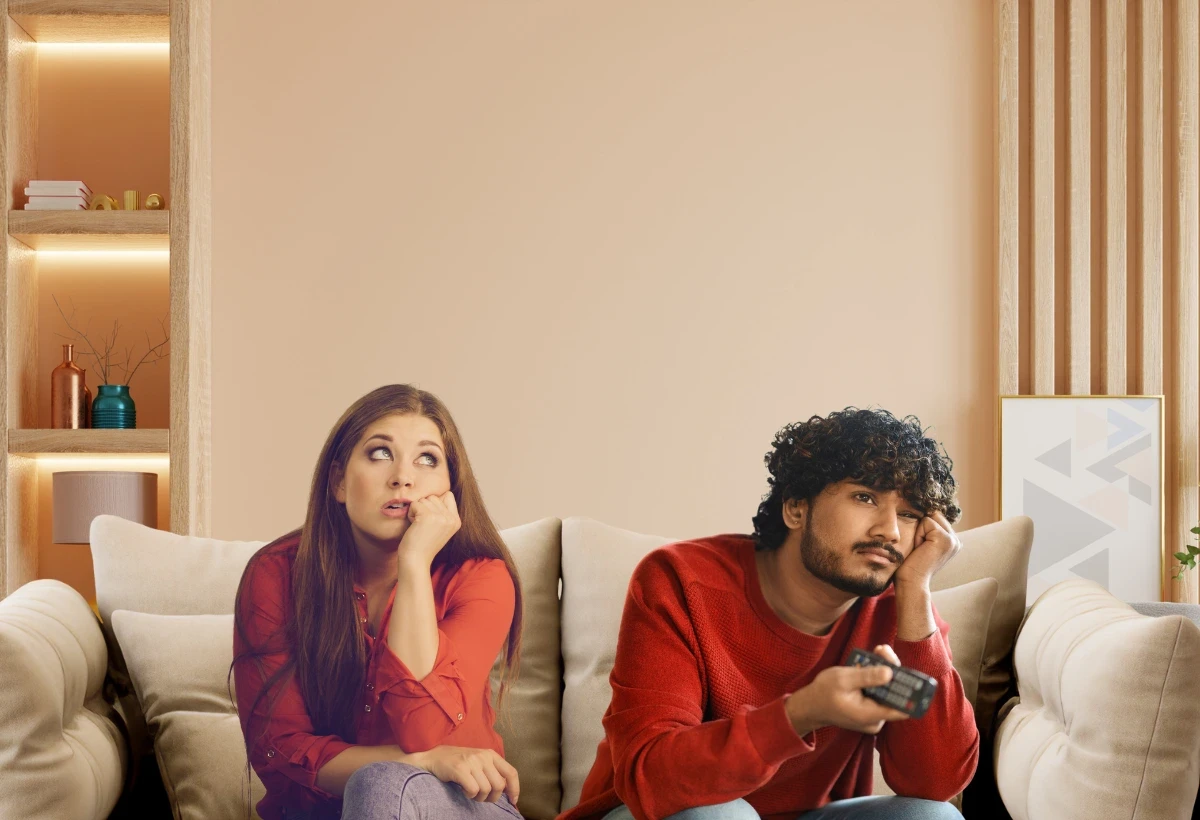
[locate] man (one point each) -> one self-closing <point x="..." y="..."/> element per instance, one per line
<point x="730" y="694"/>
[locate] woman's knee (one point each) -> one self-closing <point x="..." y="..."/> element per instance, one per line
<point x="733" y="810"/>
<point x="382" y="779"/>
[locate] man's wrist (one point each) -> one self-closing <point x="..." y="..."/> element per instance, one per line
<point x="914" y="612"/>
<point x="796" y="708"/>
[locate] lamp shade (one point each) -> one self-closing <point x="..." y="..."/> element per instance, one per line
<point x="80" y="496"/>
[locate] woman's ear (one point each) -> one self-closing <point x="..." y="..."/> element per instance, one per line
<point x="337" y="480"/>
<point x="794" y="511"/>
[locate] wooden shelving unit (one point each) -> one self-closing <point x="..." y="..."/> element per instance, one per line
<point x="91" y="230"/>
<point x="88" y="442"/>
<point x="184" y="231"/>
<point x="93" y="21"/>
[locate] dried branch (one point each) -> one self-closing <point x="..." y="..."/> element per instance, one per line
<point x="79" y="334"/>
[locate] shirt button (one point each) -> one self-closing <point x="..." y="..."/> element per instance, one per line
<point x="460" y="715"/>
<point x="270" y="752"/>
<point x="370" y="687"/>
<point x="368" y="707"/>
<point x="364" y="620"/>
<point x="359" y="595"/>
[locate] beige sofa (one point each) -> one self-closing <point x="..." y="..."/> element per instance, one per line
<point x="1107" y="724"/>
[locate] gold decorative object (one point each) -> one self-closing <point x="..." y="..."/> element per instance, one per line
<point x="103" y="202"/>
<point x="154" y="202"/>
<point x="131" y="201"/>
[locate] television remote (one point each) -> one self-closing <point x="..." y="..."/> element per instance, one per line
<point x="909" y="691"/>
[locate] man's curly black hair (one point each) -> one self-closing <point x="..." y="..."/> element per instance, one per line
<point x="868" y="447"/>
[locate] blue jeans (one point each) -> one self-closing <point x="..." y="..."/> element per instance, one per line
<point x="397" y="791"/>
<point x="857" y="808"/>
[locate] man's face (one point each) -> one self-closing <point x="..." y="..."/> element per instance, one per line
<point x="854" y="538"/>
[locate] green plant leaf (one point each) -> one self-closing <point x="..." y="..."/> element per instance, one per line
<point x="1182" y="556"/>
<point x="1195" y="530"/>
<point x="1193" y="550"/>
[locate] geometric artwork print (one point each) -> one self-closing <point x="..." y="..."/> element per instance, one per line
<point x="1088" y="471"/>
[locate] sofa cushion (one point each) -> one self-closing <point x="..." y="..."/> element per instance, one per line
<point x="597" y="562"/>
<point x="152" y="571"/>
<point x="1000" y="551"/>
<point x="178" y="665"/>
<point x="61" y="753"/>
<point x="528" y="721"/>
<point x="1106" y="724"/>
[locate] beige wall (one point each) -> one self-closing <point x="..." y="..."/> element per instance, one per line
<point x="624" y="241"/>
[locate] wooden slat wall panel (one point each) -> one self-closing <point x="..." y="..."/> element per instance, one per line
<point x="1113" y="346"/>
<point x="1042" y="183"/>
<point x="1079" y="197"/>
<point x="1150" y="195"/>
<point x="1163" y="277"/>
<point x="1183" y="403"/>
<point x="1007" y="192"/>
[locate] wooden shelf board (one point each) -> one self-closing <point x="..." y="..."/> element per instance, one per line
<point x="91" y="230"/>
<point x="88" y="442"/>
<point x="93" y="21"/>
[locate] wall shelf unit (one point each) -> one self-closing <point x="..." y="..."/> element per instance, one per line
<point x="183" y="233"/>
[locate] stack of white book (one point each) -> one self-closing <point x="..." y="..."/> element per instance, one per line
<point x="57" y="195"/>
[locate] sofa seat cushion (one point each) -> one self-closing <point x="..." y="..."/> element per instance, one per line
<point x="1106" y="724"/>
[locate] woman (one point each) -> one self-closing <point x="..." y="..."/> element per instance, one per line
<point x="363" y="641"/>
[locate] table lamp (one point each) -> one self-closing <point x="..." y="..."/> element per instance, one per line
<point x="80" y="496"/>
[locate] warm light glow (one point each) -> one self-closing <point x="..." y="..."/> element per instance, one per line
<point x="106" y="48"/>
<point x="113" y="256"/>
<point x="104" y="461"/>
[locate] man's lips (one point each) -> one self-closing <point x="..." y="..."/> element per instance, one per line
<point x="882" y="552"/>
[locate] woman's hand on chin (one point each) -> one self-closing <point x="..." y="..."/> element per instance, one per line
<point x="433" y="521"/>
<point x="483" y="775"/>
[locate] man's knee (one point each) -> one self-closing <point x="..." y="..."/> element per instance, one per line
<point x="912" y="808"/>
<point x="734" y="810"/>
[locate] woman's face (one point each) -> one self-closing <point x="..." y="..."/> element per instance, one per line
<point x="400" y="459"/>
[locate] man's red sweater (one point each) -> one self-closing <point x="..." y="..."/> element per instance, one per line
<point x="703" y="669"/>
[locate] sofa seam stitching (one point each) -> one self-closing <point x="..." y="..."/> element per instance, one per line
<point x="1157" y="719"/>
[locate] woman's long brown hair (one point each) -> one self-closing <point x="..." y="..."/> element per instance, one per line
<point x="328" y="654"/>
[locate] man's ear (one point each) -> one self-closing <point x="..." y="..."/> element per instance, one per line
<point x="337" y="480"/>
<point x="794" y="510"/>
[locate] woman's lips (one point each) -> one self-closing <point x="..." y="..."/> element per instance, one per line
<point x="395" y="512"/>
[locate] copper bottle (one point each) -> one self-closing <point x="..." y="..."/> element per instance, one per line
<point x="70" y="398"/>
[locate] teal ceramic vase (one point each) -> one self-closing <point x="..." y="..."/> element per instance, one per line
<point x="113" y="408"/>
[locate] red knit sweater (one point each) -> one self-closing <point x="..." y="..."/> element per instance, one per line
<point x="702" y="671"/>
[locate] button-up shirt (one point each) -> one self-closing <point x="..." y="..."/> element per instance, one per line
<point x="449" y="706"/>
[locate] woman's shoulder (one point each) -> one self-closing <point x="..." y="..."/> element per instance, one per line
<point x="478" y="576"/>
<point x="271" y="565"/>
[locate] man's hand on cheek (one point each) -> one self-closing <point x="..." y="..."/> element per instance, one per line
<point x="933" y="546"/>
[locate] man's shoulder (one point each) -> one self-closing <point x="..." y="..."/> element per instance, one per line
<point x="714" y="560"/>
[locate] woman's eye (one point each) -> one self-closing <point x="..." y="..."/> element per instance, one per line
<point x="383" y="450"/>
<point x="432" y="459"/>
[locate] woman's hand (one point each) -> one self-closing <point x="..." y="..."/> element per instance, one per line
<point x="433" y="521"/>
<point x="482" y="774"/>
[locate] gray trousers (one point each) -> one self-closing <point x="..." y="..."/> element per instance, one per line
<point x="397" y="791"/>
<point x="858" y="808"/>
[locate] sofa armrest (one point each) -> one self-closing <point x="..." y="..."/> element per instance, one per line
<point x="1105" y="721"/>
<point x="62" y="756"/>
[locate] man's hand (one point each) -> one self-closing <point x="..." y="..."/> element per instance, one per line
<point x="434" y="520"/>
<point x="934" y="545"/>
<point x="835" y="698"/>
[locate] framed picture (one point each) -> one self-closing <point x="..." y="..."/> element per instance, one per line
<point x="1089" y="471"/>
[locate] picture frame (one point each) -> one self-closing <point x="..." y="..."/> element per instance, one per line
<point x="1089" y="471"/>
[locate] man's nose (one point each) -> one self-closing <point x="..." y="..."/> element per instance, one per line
<point x="887" y="527"/>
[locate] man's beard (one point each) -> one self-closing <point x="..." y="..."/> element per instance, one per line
<point x="822" y="562"/>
